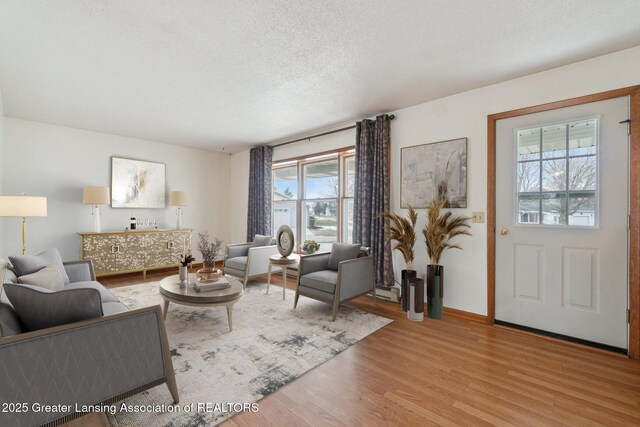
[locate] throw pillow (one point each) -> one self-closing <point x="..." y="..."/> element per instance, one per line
<point x="49" y="278"/>
<point x="28" y="264"/>
<point x="260" y="240"/>
<point x="342" y="252"/>
<point x="39" y="308"/>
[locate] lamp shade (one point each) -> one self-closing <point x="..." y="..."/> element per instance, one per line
<point x="178" y="198"/>
<point x="96" y="195"/>
<point x="22" y="206"/>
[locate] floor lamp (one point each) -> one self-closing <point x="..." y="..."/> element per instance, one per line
<point x="179" y="199"/>
<point x="96" y="196"/>
<point x="23" y="207"/>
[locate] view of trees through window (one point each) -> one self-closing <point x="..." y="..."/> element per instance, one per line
<point x="557" y="174"/>
<point x="315" y="198"/>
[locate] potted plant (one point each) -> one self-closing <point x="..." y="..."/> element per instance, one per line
<point x="183" y="270"/>
<point x="440" y="228"/>
<point x="310" y="246"/>
<point x="402" y="230"/>
<point x="209" y="251"/>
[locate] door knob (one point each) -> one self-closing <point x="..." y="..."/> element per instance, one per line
<point x="504" y="231"/>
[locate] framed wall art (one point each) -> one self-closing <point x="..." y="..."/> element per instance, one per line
<point x="434" y="170"/>
<point x="137" y="184"/>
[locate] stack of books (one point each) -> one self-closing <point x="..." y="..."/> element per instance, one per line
<point x="219" y="284"/>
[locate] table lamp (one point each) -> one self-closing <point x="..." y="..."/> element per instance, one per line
<point x="96" y="196"/>
<point x="22" y="207"/>
<point x="179" y="199"/>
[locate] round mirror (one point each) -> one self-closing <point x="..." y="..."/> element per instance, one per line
<point x="285" y="240"/>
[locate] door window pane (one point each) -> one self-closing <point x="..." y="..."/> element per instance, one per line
<point x="528" y="176"/>
<point x="554" y="175"/>
<point x="582" y="137"/>
<point x="320" y="222"/>
<point x="321" y="180"/>
<point x="529" y="209"/>
<point x="285" y="183"/>
<point x="554" y="141"/>
<point x="582" y="173"/>
<point x="529" y="144"/>
<point x="554" y="209"/>
<point x="582" y="210"/>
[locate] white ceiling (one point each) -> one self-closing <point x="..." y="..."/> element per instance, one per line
<point x="220" y="73"/>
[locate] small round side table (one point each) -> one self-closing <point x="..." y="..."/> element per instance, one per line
<point x="283" y="262"/>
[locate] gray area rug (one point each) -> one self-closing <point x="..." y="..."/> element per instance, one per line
<point x="271" y="345"/>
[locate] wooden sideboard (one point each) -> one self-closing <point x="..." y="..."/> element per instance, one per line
<point x="128" y="251"/>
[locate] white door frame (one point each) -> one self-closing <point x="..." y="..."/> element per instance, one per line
<point x="634" y="200"/>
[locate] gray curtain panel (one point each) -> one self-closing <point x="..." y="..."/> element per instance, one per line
<point x="372" y="193"/>
<point x="259" y="216"/>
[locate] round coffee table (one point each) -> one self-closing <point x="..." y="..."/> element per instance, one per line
<point x="171" y="292"/>
<point x="284" y="262"/>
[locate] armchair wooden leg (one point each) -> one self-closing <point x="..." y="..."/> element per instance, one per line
<point x="295" y="301"/>
<point x="373" y="294"/>
<point x="336" y="305"/>
<point x="244" y="283"/>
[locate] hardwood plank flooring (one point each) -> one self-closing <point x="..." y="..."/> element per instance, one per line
<point x="447" y="372"/>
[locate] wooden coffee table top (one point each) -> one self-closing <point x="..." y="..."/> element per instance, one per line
<point x="170" y="289"/>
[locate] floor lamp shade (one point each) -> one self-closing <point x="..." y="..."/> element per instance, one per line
<point x="96" y="196"/>
<point x="179" y="199"/>
<point x="23" y="207"/>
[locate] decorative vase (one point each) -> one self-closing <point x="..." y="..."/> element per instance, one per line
<point x="207" y="266"/>
<point x="435" y="291"/>
<point x="416" y="299"/>
<point x="183" y="275"/>
<point x="406" y="275"/>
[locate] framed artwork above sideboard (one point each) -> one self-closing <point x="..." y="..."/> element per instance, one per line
<point x="137" y="184"/>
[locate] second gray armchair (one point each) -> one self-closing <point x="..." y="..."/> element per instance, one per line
<point x="343" y="274"/>
<point x="247" y="260"/>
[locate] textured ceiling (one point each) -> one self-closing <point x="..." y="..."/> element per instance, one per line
<point x="230" y="74"/>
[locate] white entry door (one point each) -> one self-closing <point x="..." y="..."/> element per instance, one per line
<point x="561" y="222"/>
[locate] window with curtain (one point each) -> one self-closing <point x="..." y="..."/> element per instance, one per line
<point x="314" y="196"/>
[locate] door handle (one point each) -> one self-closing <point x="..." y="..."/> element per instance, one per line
<point x="504" y="231"/>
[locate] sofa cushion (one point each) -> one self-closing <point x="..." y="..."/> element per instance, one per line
<point x="105" y="295"/>
<point x="323" y="280"/>
<point x="238" y="263"/>
<point x="113" y="308"/>
<point x="49" y="277"/>
<point x="9" y="322"/>
<point x="28" y="264"/>
<point x="342" y="252"/>
<point x="260" y="240"/>
<point x="39" y="308"/>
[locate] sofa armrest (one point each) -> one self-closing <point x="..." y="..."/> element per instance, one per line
<point x="312" y="263"/>
<point x="238" y="249"/>
<point x="80" y="271"/>
<point x="258" y="260"/>
<point x="97" y="361"/>
<point x="355" y="277"/>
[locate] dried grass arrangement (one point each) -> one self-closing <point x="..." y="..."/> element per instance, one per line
<point x="441" y="228"/>
<point x="403" y="231"/>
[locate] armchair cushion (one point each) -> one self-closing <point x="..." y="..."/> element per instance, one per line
<point x="260" y="240"/>
<point x="342" y="252"/>
<point x="39" y="308"/>
<point x="238" y="263"/>
<point x="28" y="264"/>
<point x="324" y="280"/>
<point x="109" y="308"/>
<point x="49" y="278"/>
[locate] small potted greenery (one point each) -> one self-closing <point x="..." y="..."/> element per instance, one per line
<point x="210" y="252"/>
<point x="310" y="246"/>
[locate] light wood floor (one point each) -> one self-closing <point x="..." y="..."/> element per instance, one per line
<point x="449" y="372"/>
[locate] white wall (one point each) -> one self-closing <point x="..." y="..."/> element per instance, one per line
<point x="57" y="162"/>
<point x="465" y="115"/>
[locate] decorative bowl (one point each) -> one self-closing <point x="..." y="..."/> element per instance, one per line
<point x="208" y="276"/>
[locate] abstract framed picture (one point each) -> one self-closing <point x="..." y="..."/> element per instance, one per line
<point x="137" y="184"/>
<point x="434" y="170"/>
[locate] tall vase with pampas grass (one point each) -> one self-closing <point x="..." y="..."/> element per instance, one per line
<point x="440" y="228"/>
<point x="402" y="231"/>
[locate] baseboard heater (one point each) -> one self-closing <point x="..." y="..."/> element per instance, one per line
<point x="562" y="337"/>
<point x="388" y="294"/>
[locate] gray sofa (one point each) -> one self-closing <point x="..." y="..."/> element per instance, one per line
<point x="95" y="361"/>
<point x="336" y="277"/>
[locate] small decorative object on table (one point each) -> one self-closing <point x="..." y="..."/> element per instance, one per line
<point x="185" y="261"/>
<point x="310" y="246"/>
<point x="210" y="252"/>
<point x="285" y="240"/>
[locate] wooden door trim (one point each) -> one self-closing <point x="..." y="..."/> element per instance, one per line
<point x="634" y="199"/>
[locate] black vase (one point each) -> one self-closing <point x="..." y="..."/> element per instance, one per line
<point x="435" y="291"/>
<point x="407" y="275"/>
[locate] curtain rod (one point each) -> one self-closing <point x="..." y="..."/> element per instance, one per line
<point x="391" y="117"/>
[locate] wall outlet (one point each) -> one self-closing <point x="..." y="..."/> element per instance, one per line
<point x="477" y="217"/>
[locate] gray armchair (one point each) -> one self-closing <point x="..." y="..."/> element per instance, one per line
<point x="248" y="260"/>
<point x="336" y="277"/>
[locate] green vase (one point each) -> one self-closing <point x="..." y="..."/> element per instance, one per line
<point x="434" y="291"/>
